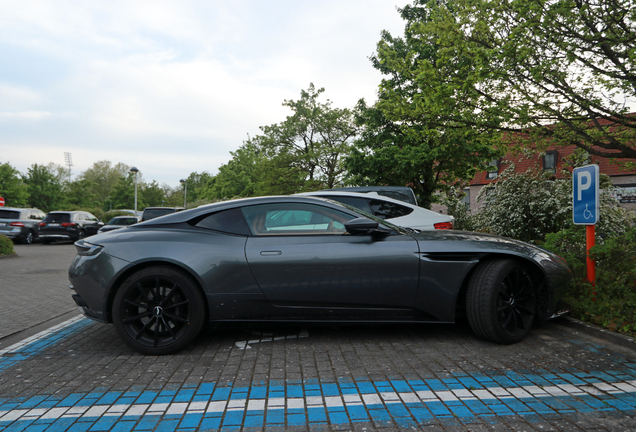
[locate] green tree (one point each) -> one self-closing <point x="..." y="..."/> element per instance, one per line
<point x="312" y="140"/>
<point x="12" y="187"/>
<point x="197" y="184"/>
<point x="238" y="177"/>
<point x="79" y="195"/>
<point x="123" y="194"/>
<point x="45" y="187"/>
<point x="103" y="176"/>
<point x="403" y="142"/>
<point x="565" y="70"/>
<point x="151" y="194"/>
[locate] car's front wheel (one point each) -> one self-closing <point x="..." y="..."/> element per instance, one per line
<point x="158" y="310"/>
<point x="500" y="301"/>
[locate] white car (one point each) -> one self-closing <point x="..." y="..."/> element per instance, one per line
<point x="397" y="212"/>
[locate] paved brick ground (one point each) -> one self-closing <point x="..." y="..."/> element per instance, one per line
<point x="79" y="376"/>
<point x="34" y="286"/>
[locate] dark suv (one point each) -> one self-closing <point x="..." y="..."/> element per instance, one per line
<point x="68" y="225"/>
<point x="153" y="212"/>
<point x="20" y="224"/>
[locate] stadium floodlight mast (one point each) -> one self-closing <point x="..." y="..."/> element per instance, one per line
<point x="135" y="170"/>
<point x="68" y="159"/>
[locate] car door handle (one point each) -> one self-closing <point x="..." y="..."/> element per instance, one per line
<point x="270" y="253"/>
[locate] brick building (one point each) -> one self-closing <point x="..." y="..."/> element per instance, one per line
<point x="554" y="161"/>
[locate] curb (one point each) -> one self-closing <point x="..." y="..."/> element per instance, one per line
<point x="9" y="256"/>
<point x="597" y="332"/>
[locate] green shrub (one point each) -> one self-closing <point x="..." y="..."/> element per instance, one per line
<point x="612" y="302"/>
<point x="6" y="246"/>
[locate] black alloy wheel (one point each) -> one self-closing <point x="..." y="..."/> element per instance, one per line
<point x="158" y="311"/>
<point x="501" y="301"/>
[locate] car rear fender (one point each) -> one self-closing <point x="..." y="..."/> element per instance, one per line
<point x="127" y="271"/>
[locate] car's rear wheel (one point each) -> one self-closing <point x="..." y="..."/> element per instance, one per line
<point x="28" y="238"/>
<point x="500" y="301"/>
<point x="158" y="310"/>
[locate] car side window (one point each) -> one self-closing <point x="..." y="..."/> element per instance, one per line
<point x="229" y="221"/>
<point x="388" y="210"/>
<point x="295" y="219"/>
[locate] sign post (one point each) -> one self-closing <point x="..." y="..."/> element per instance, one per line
<point x="585" y="209"/>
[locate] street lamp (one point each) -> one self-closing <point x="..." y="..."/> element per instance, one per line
<point x="185" y="193"/>
<point x="135" y="170"/>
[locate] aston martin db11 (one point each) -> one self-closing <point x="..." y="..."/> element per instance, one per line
<point x="295" y="258"/>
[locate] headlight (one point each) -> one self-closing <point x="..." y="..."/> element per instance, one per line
<point x="87" y="249"/>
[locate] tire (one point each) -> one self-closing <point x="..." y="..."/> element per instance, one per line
<point x="81" y="235"/>
<point x="158" y="310"/>
<point x="28" y="239"/>
<point x="501" y="301"/>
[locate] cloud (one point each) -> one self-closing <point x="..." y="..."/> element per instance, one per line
<point x="173" y="87"/>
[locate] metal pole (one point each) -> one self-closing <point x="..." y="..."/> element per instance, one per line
<point x="135" y="193"/>
<point x="590" y="241"/>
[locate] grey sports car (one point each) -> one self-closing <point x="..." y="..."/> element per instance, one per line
<point x="293" y="258"/>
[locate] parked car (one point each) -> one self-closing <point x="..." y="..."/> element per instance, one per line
<point x="397" y="212"/>
<point x="153" y="212"/>
<point x="21" y="224"/>
<point x="68" y="225"/>
<point x="298" y="258"/>
<point x="400" y="193"/>
<point x="118" y="222"/>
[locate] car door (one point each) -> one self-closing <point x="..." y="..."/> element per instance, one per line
<point x="300" y="254"/>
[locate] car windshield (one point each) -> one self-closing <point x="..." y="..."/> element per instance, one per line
<point x="370" y="216"/>
<point x="9" y="214"/>
<point x="122" y="221"/>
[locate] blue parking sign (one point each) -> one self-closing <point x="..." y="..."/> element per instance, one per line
<point x="585" y="195"/>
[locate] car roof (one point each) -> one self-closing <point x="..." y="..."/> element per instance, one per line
<point x="373" y="195"/>
<point x="19" y="208"/>
<point x="186" y="215"/>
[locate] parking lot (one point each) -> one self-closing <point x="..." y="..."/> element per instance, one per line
<point x="59" y="372"/>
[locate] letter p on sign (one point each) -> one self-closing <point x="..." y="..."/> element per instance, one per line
<point x="585" y="205"/>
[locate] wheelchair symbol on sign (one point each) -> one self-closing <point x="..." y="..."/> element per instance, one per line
<point x="586" y="213"/>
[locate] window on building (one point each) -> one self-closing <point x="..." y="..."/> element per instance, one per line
<point x="550" y="161"/>
<point x="466" y="197"/>
<point x="493" y="169"/>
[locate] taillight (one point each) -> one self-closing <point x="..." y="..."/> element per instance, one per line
<point x="443" y="225"/>
<point x="20" y="224"/>
<point x="42" y="224"/>
<point x="68" y="224"/>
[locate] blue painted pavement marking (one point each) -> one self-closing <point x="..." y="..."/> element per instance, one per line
<point x="35" y="344"/>
<point x="392" y="402"/>
<point x="402" y="403"/>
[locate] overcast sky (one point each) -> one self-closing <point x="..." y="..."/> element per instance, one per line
<point x="172" y="87"/>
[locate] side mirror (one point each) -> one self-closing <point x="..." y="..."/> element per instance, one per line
<point x="361" y="225"/>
